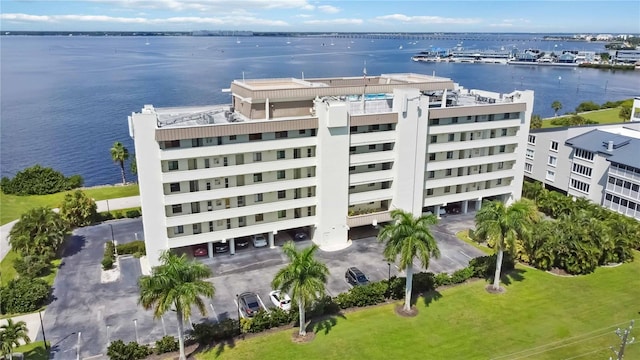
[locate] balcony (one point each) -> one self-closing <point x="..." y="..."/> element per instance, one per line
<point x="472" y="144"/>
<point x="369" y="196"/>
<point x="629" y="175"/>
<point x="378" y="137"/>
<point x="479" y="126"/>
<point x="472" y="161"/>
<point x="367" y="219"/>
<point x="370" y="177"/>
<point x="374" y="157"/>
<point x="622" y="191"/>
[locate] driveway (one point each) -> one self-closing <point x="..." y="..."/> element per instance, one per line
<point x="87" y="314"/>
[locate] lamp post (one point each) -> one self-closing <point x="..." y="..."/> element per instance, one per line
<point x="135" y="325"/>
<point x="389" y="281"/>
<point x="44" y="338"/>
<point x="78" y="346"/>
<point x="238" y="303"/>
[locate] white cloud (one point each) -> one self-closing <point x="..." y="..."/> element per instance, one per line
<point x="226" y="20"/>
<point x="208" y="5"/>
<point x="502" y="24"/>
<point x="304" y="16"/>
<point x="426" y="19"/>
<point x="335" y="22"/>
<point x="328" y="9"/>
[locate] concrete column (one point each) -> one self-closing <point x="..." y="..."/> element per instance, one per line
<point x="436" y="209"/>
<point x="478" y="204"/>
<point x="232" y="246"/>
<point x="465" y="206"/>
<point x="210" y="249"/>
<point x="266" y="109"/>
<point x="272" y="239"/>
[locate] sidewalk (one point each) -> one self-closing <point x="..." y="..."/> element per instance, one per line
<point x="103" y="205"/>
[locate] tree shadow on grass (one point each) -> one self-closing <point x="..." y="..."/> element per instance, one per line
<point x="324" y="323"/>
<point x="217" y="349"/>
<point x="427" y="297"/>
<point x="508" y="277"/>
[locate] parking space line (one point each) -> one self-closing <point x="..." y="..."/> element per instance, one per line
<point x="214" y="312"/>
<point x="261" y="303"/>
<point x="237" y="307"/>
<point x="463" y="253"/>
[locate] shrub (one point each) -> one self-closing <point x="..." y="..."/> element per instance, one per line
<point x="208" y="333"/>
<point x="442" y="279"/>
<point x="166" y="344"/>
<point x="42" y="224"/>
<point x="118" y="350"/>
<point x="32" y="266"/>
<point x="38" y="180"/>
<point x="107" y="263"/>
<point x="462" y="275"/>
<point x="423" y="282"/>
<point x="396" y="291"/>
<point x="132" y="247"/>
<point x="587" y="106"/>
<point x="23" y="295"/>
<point x="485" y="266"/>
<point x="109" y="255"/>
<point x="78" y="209"/>
<point x="118" y="215"/>
<point x="133" y="213"/>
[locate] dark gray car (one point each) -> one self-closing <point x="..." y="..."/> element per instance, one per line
<point x="355" y="277"/>
<point x="249" y="304"/>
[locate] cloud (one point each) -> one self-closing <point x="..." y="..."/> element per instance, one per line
<point x="335" y="22"/>
<point x="328" y="9"/>
<point x="304" y="16"/>
<point x="208" y="5"/>
<point x="225" y="20"/>
<point x="426" y="19"/>
<point x="502" y="24"/>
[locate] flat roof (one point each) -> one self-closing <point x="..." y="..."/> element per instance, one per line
<point x="624" y="148"/>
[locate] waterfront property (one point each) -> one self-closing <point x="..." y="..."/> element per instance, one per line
<point x="597" y="162"/>
<point x="324" y="155"/>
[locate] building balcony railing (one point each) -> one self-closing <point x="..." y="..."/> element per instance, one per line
<point x="622" y="191"/>
<point x="368" y="219"/>
<point x="630" y="175"/>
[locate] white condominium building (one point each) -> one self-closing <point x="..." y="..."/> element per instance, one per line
<point x="324" y="154"/>
<point x="597" y="162"/>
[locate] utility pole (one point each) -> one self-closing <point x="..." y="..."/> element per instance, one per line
<point x="624" y="336"/>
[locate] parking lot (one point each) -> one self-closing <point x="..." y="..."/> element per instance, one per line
<point x="104" y="312"/>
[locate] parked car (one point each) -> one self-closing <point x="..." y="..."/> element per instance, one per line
<point x="300" y="236"/>
<point x="355" y="277"/>
<point x="200" y="250"/>
<point x="259" y="241"/>
<point x="219" y="247"/>
<point x="242" y="243"/>
<point x="249" y="304"/>
<point x="282" y="301"/>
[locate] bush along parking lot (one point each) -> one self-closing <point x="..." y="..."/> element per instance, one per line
<point x="135" y="248"/>
<point x="109" y="255"/>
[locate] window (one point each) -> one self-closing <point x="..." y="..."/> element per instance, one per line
<point x="532" y="139"/>
<point x="208" y="185"/>
<point x="353" y="129"/>
<point x="257" y="198"/>
<point x="449" y="154"/>
<point x="174" y="187"/>
<point x="502" y="148"/>
<point x="193" y="186"/>
<point x="210" y="226"/>
<point x="281" y="134"/>
<point x="281" y="154"/>
<point x="580" y="186"/>
<point x="309" y="152"/>
<point x="452" y="137"/>
<point x="173" y="165"/>
<point x="240" y="200"/>
<point x="352" y="149"/>
<point x="259" y="217"/>
<point x="434" y="139"/>
<point x="432" y="156"/>
<point x="447" y="189"/>
<point x="282" y="214"/>
<point x="553" y="161"/>
<point x="448" y="172"/>
<point x="282" y="194"/>
<point x="296" y="153"/>
<point x="582" y="170"/>
<point x="372" y="147"/>
<point x="371" y="166"/>
<point x="371" y="184"/>
<point x="179" y="229"/>
<point x="554" y="146"/>
<point x="207" y="163"/>
<point x="281" y="174"/>
<point x="429" y="192"/>
<point x="530" y="154"/>
<point x="454" y="120"/>
<point x="435" y="121"/>
<point x="176" y="209"/>
<point x="374" y="127"/>
<point x="255" y="136"/>
<point x="196" y="142"/>
<point x="257" y="177"/>
<point x="196" y="228"/>
<point x="257" y="157"/>
<point x="209" y="205"/>
<point x="431" y="174"/>
<point x="499" y="182"/>
<point x="528" y="167"/>
<point x="232" y="137"/>
<point x="583" y="154"/>
<point x="551" y="175"/>
<point x="302" y="132"/>
<point x="352" y="168"/>
<point x="503" y="132"/>
<point x="500" y="165"/>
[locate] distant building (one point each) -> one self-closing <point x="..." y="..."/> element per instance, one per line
<point x="597" y="162"/>
<point x="635" y="110"/>
<point x="325" y="155"/>
<point x="627" y="56"/>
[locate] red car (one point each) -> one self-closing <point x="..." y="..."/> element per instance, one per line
<point x="200" y="251"/>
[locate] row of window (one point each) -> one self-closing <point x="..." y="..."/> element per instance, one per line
<point x="583" y="154"/>
<point x="582" y="170"/>
<point x="234" y="139"/>
<point x="631" y="205"/>
<point x="372" y="147"/>
<point x="477" y="135"/>
<point x="371" y="128"/>
<point x="626" y="168"/>
<point x="461" y="153"/>
<point x="623" y="183"/>
<point x="467" y="187"/>
<point x="474" y="118"/>
<point x="579" y="185"/>
<point x="469" y="170"/>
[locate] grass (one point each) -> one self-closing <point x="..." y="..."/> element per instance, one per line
<point x="33" y="351"/>
<point x="606" y="116"/>
<point x="12" y="206"/>
<point x="540" y="316"/>
<point x="464" y="236"/>
<point x="9" y="272"/>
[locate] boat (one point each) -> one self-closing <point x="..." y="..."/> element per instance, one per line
<point x="400" y="48"/>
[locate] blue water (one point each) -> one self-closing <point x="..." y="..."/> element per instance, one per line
<point x="65" y="100"/>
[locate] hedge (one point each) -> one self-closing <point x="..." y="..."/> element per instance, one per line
<point x="135" y="247"/>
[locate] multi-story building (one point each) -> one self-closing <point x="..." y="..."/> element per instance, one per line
<point x="328" y="154"/>
<point x="597" y="162"/>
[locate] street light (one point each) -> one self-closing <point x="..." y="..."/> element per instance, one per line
<point x="135" y="325"/>
<point x="389" y="281"/>
<point x="44" y="338"/>
<point x="238" y="303"/>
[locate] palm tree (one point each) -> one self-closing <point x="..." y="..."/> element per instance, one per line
<point x="176" y="284"/>
<point x="120" y="154"/>
<point x="556" y="106"/>
<point x="503" y="225"/>
<point x="39" y="231"/>
<point x="305" y="277"/>
<point x="10" y="335"/>
<point x="409" y="237"/>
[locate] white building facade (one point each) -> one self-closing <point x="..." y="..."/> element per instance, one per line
<point x="326" y="155"/>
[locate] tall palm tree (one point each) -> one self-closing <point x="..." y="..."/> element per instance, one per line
<point x="304" y="277"/>
<point x="120" y="154"/>
<point x="409" y="237"/>
<point x="176" y="284"/>
<point x="10" y="335"/>
<point x="504" y="224"/>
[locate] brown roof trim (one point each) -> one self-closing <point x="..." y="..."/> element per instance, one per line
<point x="374" y="119"/>
<point x="439" y="113"/>
<point x="252" y="127"/>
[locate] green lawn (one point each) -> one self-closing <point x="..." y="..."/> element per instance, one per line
<point x="12" y="206"/>
<point x="9" y="273"/>
<point x="541" y="316"/>
<point x="607" y="116"/>
<point x="33" y="351"/>
<point x="464" y="236"/>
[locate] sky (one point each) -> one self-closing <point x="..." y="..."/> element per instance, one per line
<point x="538" y="16"/>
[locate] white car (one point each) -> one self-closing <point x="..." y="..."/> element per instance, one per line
<point x="279" y="300"/>
<point x="259" y="241"/>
